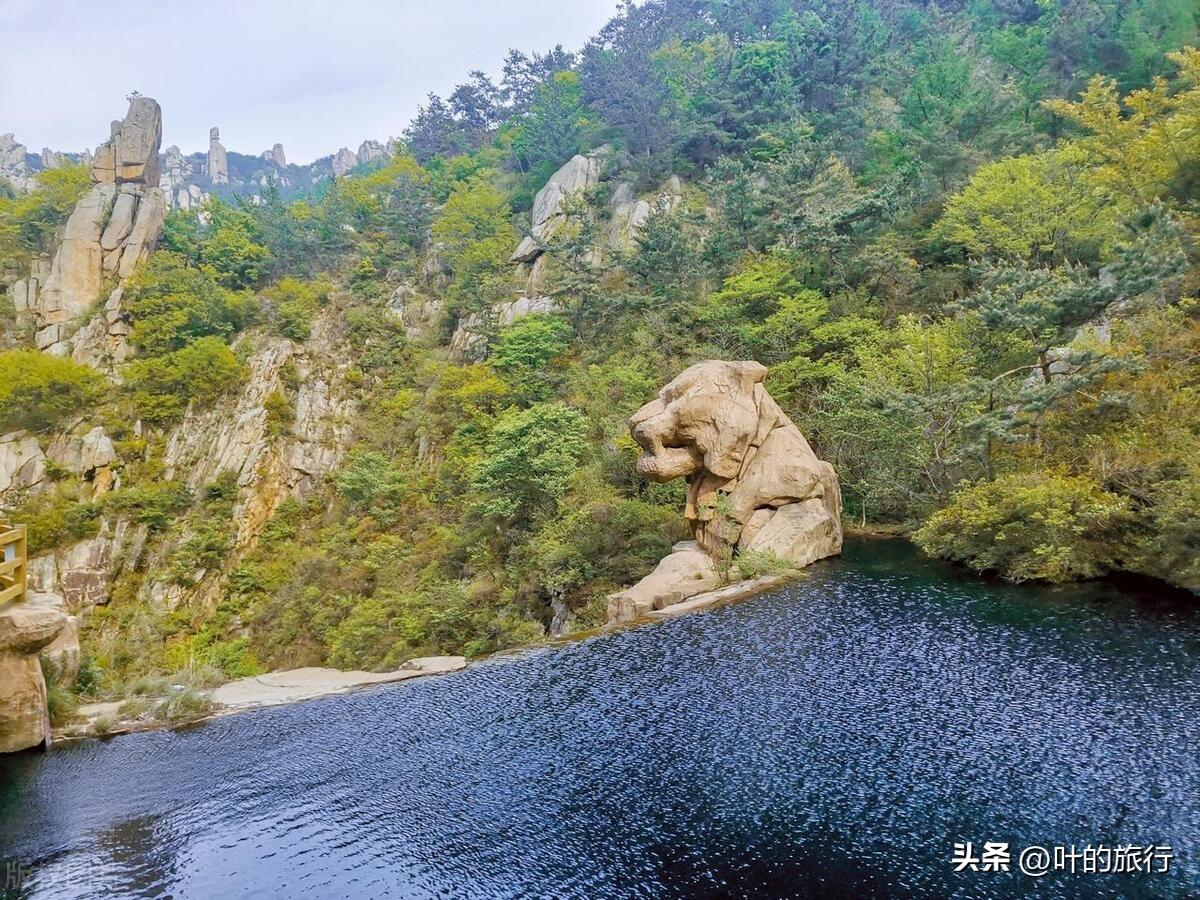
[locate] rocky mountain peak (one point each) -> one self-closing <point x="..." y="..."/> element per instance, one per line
<point x="130" y="155"/>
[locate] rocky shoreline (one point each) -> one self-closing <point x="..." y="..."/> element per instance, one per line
<point x="105" y="720"/>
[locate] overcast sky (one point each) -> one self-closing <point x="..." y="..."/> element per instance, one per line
<point x="314" y="75"/>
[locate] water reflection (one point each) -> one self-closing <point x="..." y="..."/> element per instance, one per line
<point x="833" y="740"/>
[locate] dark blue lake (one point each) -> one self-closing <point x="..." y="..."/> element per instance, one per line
<point x="834" y="739"/>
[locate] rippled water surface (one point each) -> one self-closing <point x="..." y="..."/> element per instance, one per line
<point x="831" y="740"/>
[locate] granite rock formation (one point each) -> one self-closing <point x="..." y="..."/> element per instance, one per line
<point x="754" y="483"/>
<point x="370" y="151"/>
<point x="112" y="228"/>
<point x="549" y="205"/>
<point x="344" y="161"/>
<point x="25" y="630"/>
<point x="218" y="159"/>
<point x="276" y="156"/>
<point x="14" y="165"/>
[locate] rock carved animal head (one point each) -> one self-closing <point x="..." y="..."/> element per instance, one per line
<point x="704" y="420"/>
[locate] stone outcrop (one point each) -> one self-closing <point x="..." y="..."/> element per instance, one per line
<point x="22" y="462"/>
<point x="470" y="338"/>
<point x="370" y="151"/>
<point x="630" y="213"/>
<point x="130" y="156"/>
<point x="276" y="156"/>
<point x="178" y="180"/>
<point x="344" y="161"/>
<point x="52" y="159"/>
<point x="218" y="159"/>
<point x="25" y="630"/>
<point x="549" y="205"/>
<point x="81" y="573"/>
<point x="61" y="656"/>
<point x="112" y="228"/>
<point x="415" y="311"/>
<point x="90" y="455"/>
<point x="14" y="165"/>
<point x="754" y="483"/>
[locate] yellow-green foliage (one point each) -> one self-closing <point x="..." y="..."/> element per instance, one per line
<point x="56" y="516"/>
<point x="173" y="303"/>
<point x="280" y="413"/>
<point x="162" y="387"/>
<point x="1047" y="205"/>
<point x="38" y="391"/>
<point x="1146" y="145"/>
<point x="1046" y="526"/>
<point x="291" y="305"/>
<point x="28" y="221"/>
<point x="478" y="238"/>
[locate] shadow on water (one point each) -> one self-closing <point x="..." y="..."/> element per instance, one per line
<point x="832" y="739"/>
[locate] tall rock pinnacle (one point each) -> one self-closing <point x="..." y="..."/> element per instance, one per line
<point x="218" y="161"/>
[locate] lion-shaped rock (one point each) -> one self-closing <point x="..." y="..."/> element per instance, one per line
<point x="754" y="483"/>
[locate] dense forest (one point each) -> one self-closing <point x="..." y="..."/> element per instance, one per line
<point x="962" y="235"/>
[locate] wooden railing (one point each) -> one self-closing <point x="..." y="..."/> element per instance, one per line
<point x="13" y="569"/>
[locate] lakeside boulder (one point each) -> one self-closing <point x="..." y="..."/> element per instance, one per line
<point x="25" y="630"/>
<point x="754" y="483"/>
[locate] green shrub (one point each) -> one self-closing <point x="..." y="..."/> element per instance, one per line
<point x="610" y="541"/>
<point x="293" y="303"/>
<point x="28" y="222"/>
<point x="61" y="702"/>
<point x="525" y="351"/>
<point x="384" y="631"/>
<point x="753" y="564"/>
<point x="173" y="304"/>
<point x="184" y="706"/>
<point x="161" y="387"/>
<point x="154" y="504"/>
<point x="38" y="391"/>
<point x="531" y="456"/>
<point x="89" y="676"/>
<point x="280" y="413"/>
<point x="1042" y="526"/>
<point x="373" y="485"/>
<point x="56" y="518"/>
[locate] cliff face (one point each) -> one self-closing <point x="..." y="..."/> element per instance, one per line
<point x="268" y="463"/>
<point x="112" y="229"/>
<point x="285" y="430"/>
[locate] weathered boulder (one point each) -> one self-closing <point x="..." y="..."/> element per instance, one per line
<point x="754" y="483"/>
<point x="549" y="205"/>
<point x="137" y="142"/>
<point x="684" y="572"/>
<point x="130" y="155"/>
<point x="52" y="159"/>
<point x="276" y="155"/>
<point x="62" y="655"/>
<point x="22" y="463"/>
<point x="24" y="632"/>
<point x="90" y="455"/>
<point x="77" y="272"/>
